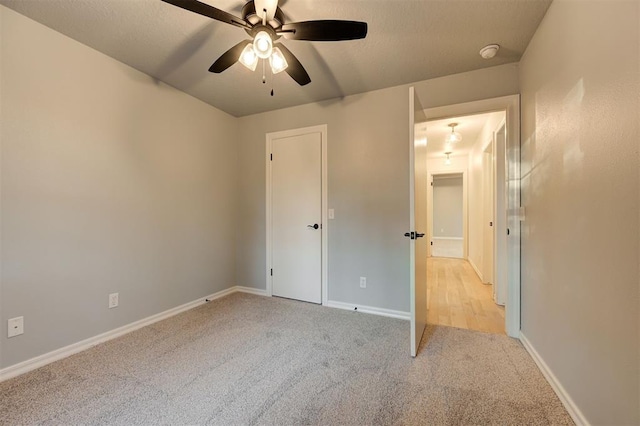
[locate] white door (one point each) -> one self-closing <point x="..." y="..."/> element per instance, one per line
<point x="488" y="215"/>
<point x="500" y="214"/>
<point x="417" y="223"/>
<point x="296" y="217"/>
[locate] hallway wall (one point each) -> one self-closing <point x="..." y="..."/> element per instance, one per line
<point x="477" y="192"/>
<point x="581" y="189"/>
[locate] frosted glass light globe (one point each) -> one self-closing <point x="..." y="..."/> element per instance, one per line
<point x="262" y="45"/>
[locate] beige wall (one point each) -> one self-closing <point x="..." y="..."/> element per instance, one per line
<point x="368" y="182"/>
<point x="580" y="187"/>
<point x="112" y="182"/>
<point x="368" y="186"/>
<point x="109" y="183"/>
<point x="477" y="192"/>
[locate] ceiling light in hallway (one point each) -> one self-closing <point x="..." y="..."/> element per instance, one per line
<point x="453" y="137"/>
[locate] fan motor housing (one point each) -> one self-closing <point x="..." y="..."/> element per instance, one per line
<point x="251" y="17"/>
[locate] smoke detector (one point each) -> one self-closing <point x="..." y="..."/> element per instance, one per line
<point x="489" y="51"/>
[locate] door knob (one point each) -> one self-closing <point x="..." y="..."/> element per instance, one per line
<point x="419" y="235"/>
<point x="314" y="226"/>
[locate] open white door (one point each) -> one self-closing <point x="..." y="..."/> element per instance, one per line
<point x="417" y="222"/>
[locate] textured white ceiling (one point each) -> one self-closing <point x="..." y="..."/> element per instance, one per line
<point x="408" y="41"/>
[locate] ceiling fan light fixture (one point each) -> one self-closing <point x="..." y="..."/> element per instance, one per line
<point x="264" y="21"/>
<point x="277" y="61"/>
<point x="248" y="57"/>
<point x="453" y="137"/>
<point x="263" y="45"/>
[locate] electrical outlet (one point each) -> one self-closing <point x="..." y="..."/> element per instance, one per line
<point x="363" y="282"/>
<point x="15" y="326"/>
<point x="113" y="300"/>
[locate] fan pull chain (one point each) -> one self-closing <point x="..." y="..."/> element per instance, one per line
<point x="273" y="78"/>
<point x="273" y="83"/>
<point x="264" y="77"/>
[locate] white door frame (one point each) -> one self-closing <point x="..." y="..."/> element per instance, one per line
<point x="322" y="129"/>
<point x="465" y="214"/>
<point x="510" y="104"/>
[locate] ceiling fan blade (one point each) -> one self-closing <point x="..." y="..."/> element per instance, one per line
<point x="208" y="11"/>
<point x="327" y="30"/>
<point x="295" y="68"/>
<point x="269" y="5"/>
<point x="228" y="58"/>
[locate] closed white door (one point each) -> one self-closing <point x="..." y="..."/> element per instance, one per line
<point x="296" y="215"/>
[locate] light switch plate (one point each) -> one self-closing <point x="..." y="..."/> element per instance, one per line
<point x="332" y="214"/>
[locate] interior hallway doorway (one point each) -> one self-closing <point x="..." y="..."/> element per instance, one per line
<point x="460" y="141"/>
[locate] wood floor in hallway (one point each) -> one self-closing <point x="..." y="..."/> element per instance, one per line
<point x="456" y="297"/>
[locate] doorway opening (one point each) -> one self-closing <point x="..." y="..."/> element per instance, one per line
<point x="507" y="212"/>
<point x="463" y="202"/>
<point x="481" y="289"/>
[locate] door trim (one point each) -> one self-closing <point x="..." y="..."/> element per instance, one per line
<point x="322" y="129"/>
<point x="510" y="104"/>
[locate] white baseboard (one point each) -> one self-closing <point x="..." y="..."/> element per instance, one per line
<point x="74" y="348"/>
<point x="369" y="310"/>
<point x="251" y="290"/>
<point x="42" y="360"/>
<point x="557" y="387"/>
<point x="475" y="268"/>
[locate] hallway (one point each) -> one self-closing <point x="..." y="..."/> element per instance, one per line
<point x="456" y="297"/>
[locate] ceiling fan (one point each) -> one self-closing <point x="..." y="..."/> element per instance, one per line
<point x="264" y="21"/>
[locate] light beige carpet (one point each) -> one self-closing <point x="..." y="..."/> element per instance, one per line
<point x="246" y="359"/>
